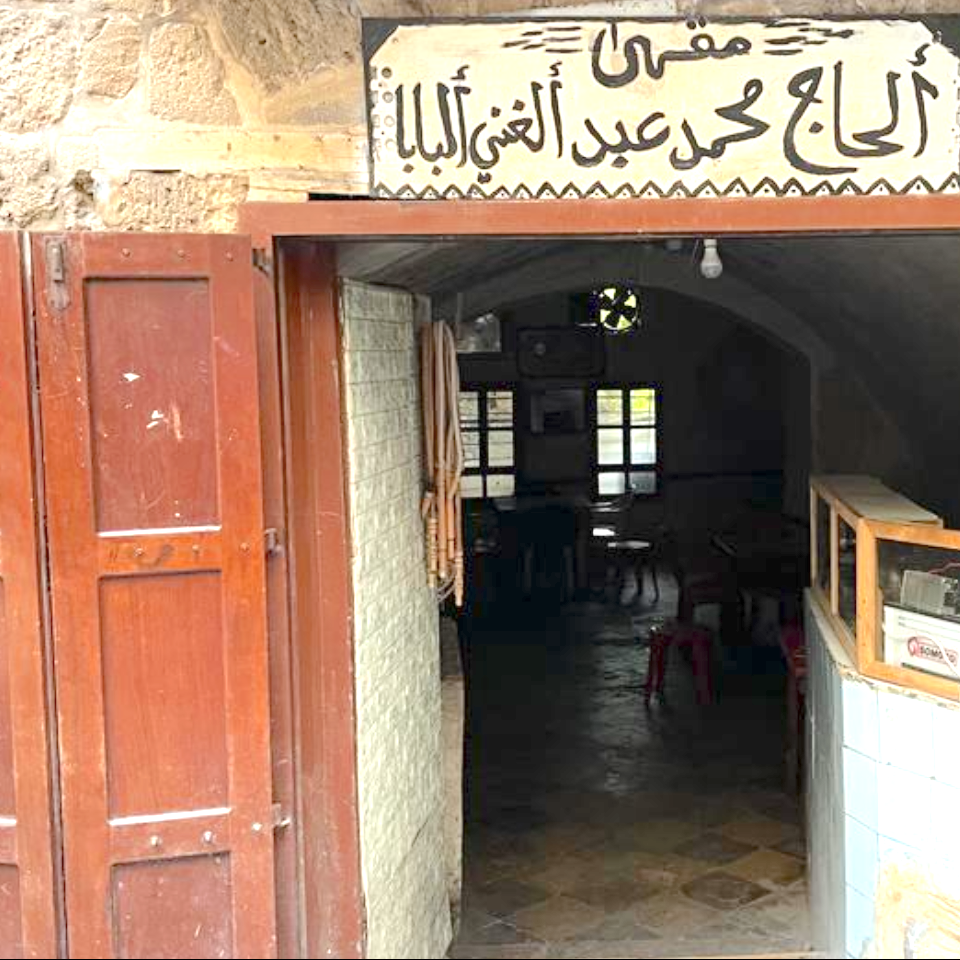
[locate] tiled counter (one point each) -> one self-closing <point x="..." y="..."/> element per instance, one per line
<point x="883" y="794"/>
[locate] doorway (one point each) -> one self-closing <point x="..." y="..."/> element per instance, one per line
<point x="832" y="384"/>
<point x="560" y="736"/>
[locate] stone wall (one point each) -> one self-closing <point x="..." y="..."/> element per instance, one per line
<point x="167" y="114"/>
<point x="396" y="628"/>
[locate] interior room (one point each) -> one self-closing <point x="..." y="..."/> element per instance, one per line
<point x="645" y="426"/>
<point x="641" y="421"/>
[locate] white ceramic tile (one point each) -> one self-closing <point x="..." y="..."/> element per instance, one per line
<point x="906" y="732"/>
<point x="860" y="922"/>
<point x="892" y="851"/>
<point x="903" y="806"/>
<point x="860" y="843"/>
<point x="946" y="745"/>
<point x="944" y="819"/>
<point x="860" y="717"/>
<point x="860" y="787"/>
<point x="946" y="875"/>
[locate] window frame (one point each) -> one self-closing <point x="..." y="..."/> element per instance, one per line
<point x="625" y="468"/>
<point x="484" y="471"/>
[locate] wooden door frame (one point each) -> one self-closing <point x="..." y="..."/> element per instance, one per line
<point x="298" y="238"/>
<point x="332" y="916"/>
<point x="362" y="219"/>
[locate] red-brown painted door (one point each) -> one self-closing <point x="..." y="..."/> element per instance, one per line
<point x="28" y="919"/>
<point x="149" y="398"/>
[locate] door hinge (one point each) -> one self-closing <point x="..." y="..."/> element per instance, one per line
<point x="262" y="261"/>
<point x="281" y="820"/>
<point x="58" y="291"/>
<point x="273" y="542"/>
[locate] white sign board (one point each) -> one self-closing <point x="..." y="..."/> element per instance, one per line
<point x="623" y="108"/>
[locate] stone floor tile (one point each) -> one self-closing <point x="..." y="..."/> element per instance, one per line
<point x="621" y="927"/>
<point x="497" y="933"/>
<point x="723" y="891"/>
<point x="713" y="848"/>
<point x="781" y="916"/>
<point x="530" y="951"/>
<point x="588" y="816"/>
<point x="657" y="836"/>
<point x="474" y="924"/>
<point x="561" y="918"/>
<point x="795" y="846"/>
<point x="670" y="914"/>
<point x="768" y="867"/>
<point x="759" y="831"/>
<point x="613" y="896"/>
<point x="671" y="869"/>
<point x="503" y="898"/>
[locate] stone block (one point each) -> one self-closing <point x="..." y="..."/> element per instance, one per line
<point x="140" y="8"/>
<point x="39" y="61"/>
<point x="110" y="60"/>
<point x="285" y="41"/>
<point x="28" y="190"/>
<point x="187" y="77"/>
<point x="171" y="201"/>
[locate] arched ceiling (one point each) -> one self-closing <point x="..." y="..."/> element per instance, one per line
<point x="885" y="308"/>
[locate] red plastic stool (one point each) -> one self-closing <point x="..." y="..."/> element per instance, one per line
<point x="699" y="640"/>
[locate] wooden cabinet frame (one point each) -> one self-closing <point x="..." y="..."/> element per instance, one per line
<point x="869" y="621"/>
<point x="829" y="601"/>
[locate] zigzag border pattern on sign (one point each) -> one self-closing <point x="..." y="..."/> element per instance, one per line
<point x="738" y="188"/>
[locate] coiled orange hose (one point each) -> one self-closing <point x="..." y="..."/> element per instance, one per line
<point x="442" y="507"/>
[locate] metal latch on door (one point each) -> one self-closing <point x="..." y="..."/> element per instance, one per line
<point x="273" y="542"/>
<point x="281" y="820"/>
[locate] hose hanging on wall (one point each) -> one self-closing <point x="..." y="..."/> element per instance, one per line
<point x="443" y="460"/>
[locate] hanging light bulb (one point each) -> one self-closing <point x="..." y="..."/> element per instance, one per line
<point x="711" y="266"/>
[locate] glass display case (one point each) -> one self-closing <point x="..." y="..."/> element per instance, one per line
<point x="820" y="551"/>
<point x="847" y="573"/>
<point x="887" y="575"/>
<point x="910" y="606"/>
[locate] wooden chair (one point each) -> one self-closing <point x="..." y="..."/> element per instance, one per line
<point x="698" y="640"/>
<point x="483" y="557"/>
<point x="608" y="522"/>
<point x="548" y="534"/>
<point x="704" y="577"/>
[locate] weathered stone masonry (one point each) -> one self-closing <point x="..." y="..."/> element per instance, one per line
<point x="167" y="114"/>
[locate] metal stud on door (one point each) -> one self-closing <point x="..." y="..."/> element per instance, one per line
<point x="148" y="363"/>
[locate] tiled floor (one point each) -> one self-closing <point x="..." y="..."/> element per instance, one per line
<point x="598" y="828"/>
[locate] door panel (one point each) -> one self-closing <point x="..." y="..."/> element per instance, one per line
<point x="28" y="923"/>
<point x="148" y="366"/>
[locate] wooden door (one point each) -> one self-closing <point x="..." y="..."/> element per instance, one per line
<point x="148" y="369"/>
<point x="287" y="865"/>
<point x="28" y="920"/>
